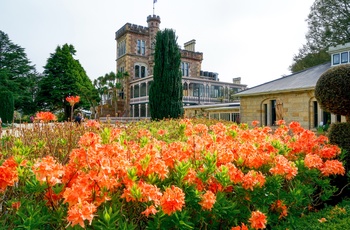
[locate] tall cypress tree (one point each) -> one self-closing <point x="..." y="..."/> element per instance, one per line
<point x="7" y="106"/>
<point x="165" y="96"/>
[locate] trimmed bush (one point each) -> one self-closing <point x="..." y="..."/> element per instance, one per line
<point x="339" y="134"/>
<point x="332" y="90"/>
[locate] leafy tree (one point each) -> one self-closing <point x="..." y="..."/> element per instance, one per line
<point x="328" y="25"/>
<point x="165" y="96"/>
<point x="17" y="75"/>
<point x="7" y="106"/>
<point x="64" y="76"/>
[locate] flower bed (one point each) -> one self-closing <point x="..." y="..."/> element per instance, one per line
<point x="175" y="174"/>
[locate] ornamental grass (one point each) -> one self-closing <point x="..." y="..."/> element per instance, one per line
<point x="171" y="174"/>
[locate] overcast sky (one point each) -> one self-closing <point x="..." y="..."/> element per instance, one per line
<point x="251" y="39"/>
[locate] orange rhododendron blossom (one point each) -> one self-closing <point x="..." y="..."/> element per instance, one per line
<point x="72" y="100"/>
<point x="89" y="139"/>
<point x="280" y="207"/>
<point x="144" y="133"/>
<point x="80" y="212"/>
<point x="8" y="174"/>
<point x="252" y="179"/>
<point x="329" y="151"/>
<point x="255" y="123"/>
<point x="280" y="122"/>
<point x="258" y="220"/>
<point x="244" y="227"/>
<point x="162" y="132"/>
<point x="173" y="200"/>
<point x="235" y="174"/>
<point x="93" y="123"/>
<point x="332" y="167"/>
<point x="284" y="167"/>
<point x="150" y="210"/>
<point x="208" y="200"/>
<point x="47" y="170"/>
<point x="313" y="161"/>
<point x="45" y="116"/>
<point x="16" y="205"/>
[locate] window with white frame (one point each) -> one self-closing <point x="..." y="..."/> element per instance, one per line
<point x="141" y="47"/>
<point x="121" y="48"/>
<point x="140" y="70"/>
<point x="344" y="57"/>
<point x="185" y="69"/>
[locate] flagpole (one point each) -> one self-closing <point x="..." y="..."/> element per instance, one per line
<point x="153" y="6"/>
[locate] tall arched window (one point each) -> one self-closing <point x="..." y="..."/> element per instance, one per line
<point x="140" y="70"/>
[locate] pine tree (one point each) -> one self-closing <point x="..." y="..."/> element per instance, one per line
<point x="165" y="96"/>
<point x="64" y="76"/>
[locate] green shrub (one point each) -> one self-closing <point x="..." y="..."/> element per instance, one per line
<point x="339" y="134"/>
<point x="332" y="90"/>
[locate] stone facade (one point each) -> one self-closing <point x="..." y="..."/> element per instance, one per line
<point x="299" y="106"/>
<point x="199" y="87"/>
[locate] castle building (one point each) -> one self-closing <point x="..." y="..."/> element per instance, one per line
<point x="135" y="48"/>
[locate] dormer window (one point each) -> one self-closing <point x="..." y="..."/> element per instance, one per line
<point x="344" y="57"/>
<point x="336" y="59"/>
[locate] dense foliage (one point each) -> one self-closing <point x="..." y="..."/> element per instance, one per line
<point x="7" y="106"/>
<point x="328" y="25"/>
<point x="17" y="75"/>
<point x="339" y="134"/>
<point x="175" y="174"/>
<point x="165" y="96"/>
<point x="332" y="90"/>
<point x="64" y="76"/>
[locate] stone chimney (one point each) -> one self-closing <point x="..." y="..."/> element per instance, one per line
<point x="236" y="80"/>
<point x="190" y="45"/>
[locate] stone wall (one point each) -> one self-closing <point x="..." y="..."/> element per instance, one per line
<point x="297" y="106"/>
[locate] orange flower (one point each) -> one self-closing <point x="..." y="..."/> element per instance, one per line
<point x="8" y="174"/>
<point x="89" y="139"/>
<point x="208" y="200"/>
<point x="173" y="200"/>
<point x="161" y="132"/>
<point x="313" y="161"/>
<point x="280" y="122"/>
<point x="284" y="167"/>
<point x="280" y="207"/>
<point x="72" y="100"/>
<point x="16" y="205"/>
<point x="93" y="123"/>
<point x="45" y="116"/>
<point x="255" y="123"/>
<point x="332" y="167"/>
<point x="80" y="212"/>
<point x="150" y="210"/>
<point x="258" y="220"/>
<point x="47" y="170"/>
<point x="252" y="179"/>
<point x="322" y="220"/>
<point x="244" y="227"/>
<point x="236" y="175"/>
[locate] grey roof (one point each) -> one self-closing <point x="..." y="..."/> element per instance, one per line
<point x="302" y="80"/>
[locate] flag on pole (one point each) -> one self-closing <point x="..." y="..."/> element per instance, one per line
<point x="154" y="1"/>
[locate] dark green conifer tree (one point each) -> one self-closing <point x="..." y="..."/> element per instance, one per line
<point x="165" y="96"/>
<point x="7" y="106"/>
